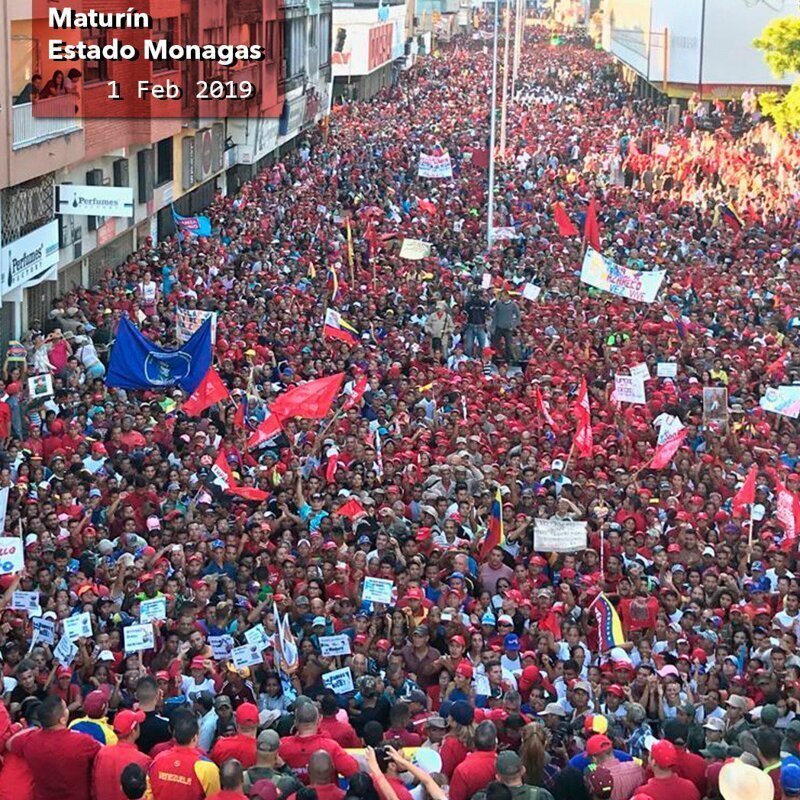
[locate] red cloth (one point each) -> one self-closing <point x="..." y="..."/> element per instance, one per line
<point x="342" y="732"/>
<point x="108" y="766"/>
<point x="182" y="773"/>
<point x="326" y="791"/>
<point x="473" y="774"/>
<point x="452" y="752"/>
<point x="237" y="746"/>
<point x="591" y="230"/>
<point x="73" y="752"/>
<point x="670" y="788"/>
<point x="297" y="750"/>
<point x="211" y="390"/>
<point x="228" y="794"/>
<point x="312" y="400"/>
<point x="16" y="779"/>
<point x="693" y="768"/>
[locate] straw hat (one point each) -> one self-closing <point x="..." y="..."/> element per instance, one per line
<point x="740" y="781"/>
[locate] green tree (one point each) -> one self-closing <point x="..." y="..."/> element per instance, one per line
<point x="780" y="41"/>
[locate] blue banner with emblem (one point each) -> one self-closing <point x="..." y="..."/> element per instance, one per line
<point x="137" y="363"/>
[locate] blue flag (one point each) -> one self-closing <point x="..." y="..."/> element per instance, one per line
<point x="137" y="363"/>
<point x="193" y="226"/>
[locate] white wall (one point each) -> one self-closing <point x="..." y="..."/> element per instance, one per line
<point x="729" y="58"/>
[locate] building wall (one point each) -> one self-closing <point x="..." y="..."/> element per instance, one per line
<point x="708" y="42"/>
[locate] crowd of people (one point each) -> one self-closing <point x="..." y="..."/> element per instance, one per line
<point x="486" y="675"/>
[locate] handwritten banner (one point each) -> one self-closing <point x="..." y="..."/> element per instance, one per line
<point x="559" y="536"/>
<point x="340" y="681"/>
<point x="603" y="273"/>
<point x="435" y="166"/>
<point x="332" y="646"/>
<point x="783" y="400"/>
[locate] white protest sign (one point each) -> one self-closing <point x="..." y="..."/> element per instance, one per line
<point x="78" y="627"/>
<point x="602" y="273"/>
<point x="783" y="400"/>
<point x="629" y="389"/>
<point x="431" y="166"/>
<point x="640" y="371"/>
<point x="247" y="655"/>
<point x="3" y="506"/>
<point x="377" y="590"/>
<point x="415" y="249"/>
<point x="258" y="636"/>
<point x="340" y="681"/>
<point x="335" y="645"/>
<point x="44" y="630"/>
<point x="26" y="601"/>
<point x="139" y="637"/>
<point x="486" y="280"/>
<point x="666" y="369"/>
<point x="65" y="651"/>
<point x="153" y="610"/>
<point x="559" y="536"/>
<point x="531" y="291"/>
<point x="12" y="555"/>
<point x="221" y="646"/>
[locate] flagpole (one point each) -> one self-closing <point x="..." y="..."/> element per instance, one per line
<point x="504" y="106"/>
<point x="602" y="558"/>
<point x="492" y="125"/>
<point x="752" y="522"/>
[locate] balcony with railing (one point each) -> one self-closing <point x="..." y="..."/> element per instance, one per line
<point x="34" y="123"/>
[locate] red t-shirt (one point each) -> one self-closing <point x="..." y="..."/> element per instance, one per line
<point x="342" y="732"/>
<point x="670" y="788"/>
<point x="73" y="752"/>
<point x="237" y="746"/>
<point x="325" y="791"/>
<point x="474" y="773"/>
<point x="296" y="752"/>
<point x="108" y="767"/>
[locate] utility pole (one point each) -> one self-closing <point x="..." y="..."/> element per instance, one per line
<point x="492" y="126"/>
<point x="504" y="112"/>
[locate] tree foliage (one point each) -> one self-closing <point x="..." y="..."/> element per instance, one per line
<point x="780" y="41"/>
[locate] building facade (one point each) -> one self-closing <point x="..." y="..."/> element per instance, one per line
<point x="703" y="46"/>
<point x="180" y="161"/>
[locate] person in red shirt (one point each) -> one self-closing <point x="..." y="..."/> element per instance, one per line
<point x="183" y="772"/>
<point x="242" y="745"/>
<point x="55" y="744"/>
<point x="322" y="777"/>
<point x="689" y="765"/>
<point x="477" y="770"/>
<point x="666" y="784"/>
<point x="112" y="760"/>
<point x="296" y="750"/>
<point x="330" y="726"/>
<point x="231" y="778"/>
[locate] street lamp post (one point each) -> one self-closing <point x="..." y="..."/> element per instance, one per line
<point x="492" y="126"/>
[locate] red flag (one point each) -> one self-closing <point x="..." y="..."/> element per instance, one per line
<point x="670" y="438"/>
<point x="351" y="509"/>
<point x="591" y="230"/>
<point x="211" y="390"/>
<point x="583" y="434"/>
<point x="248" y="493"/>
<point x="268" y="429"/>
<point x="223" y="474"/>
<point x="777" y="367"/>
<point x="747" y="494"/>
<point x="566" y="227"/>
<point x="480" y="157"/>
<point x="312" y="400"/>
<point x="333" y="462"/>
<point x="354" y="398"/>
<point x="427" y="207"/>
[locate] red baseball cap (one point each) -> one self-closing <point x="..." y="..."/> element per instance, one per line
<point x="664" y="754"/>
<point x="598" y="744"/>
<point x="127" y="720"/>
<point x="247" y="714"/>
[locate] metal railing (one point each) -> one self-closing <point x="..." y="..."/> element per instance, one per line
<point x="47" y="119"/>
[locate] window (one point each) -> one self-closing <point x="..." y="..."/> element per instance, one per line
<point x="95" y="70"/>
<point x="164" y="30"/>
<point x="164" y="161"/>
<point x="294" y="47"/>
<point x="324" y="39"/>
<point x="211" y="36"/>
<point x="269" y="42"/>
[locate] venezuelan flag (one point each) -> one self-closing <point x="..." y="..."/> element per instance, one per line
<point x="731" y="217"/>
<point x="337" y="328"/>
<point x="333" y="283"/>
<point x="495" y="535"/>
<point x="609" y="626"/>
